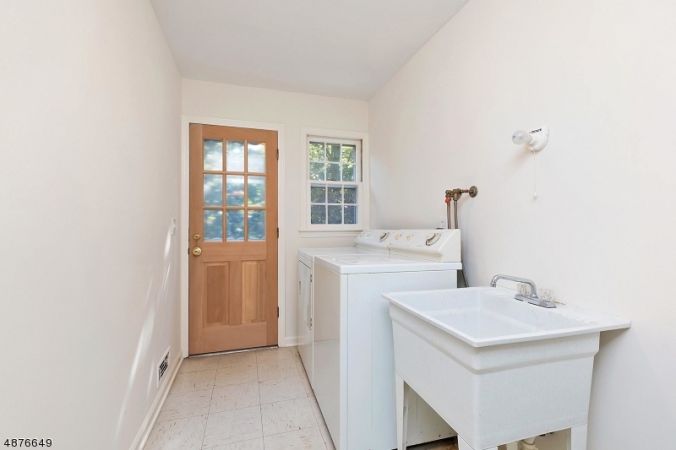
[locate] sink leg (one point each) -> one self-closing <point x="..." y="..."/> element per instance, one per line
<point x="462" y="445"/>
<point x="402" y="411"/>
<point x="578" y="438"/>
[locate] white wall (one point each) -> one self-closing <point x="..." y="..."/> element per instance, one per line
<point x="293" y="111"/>
<point x="89" y="164"/>
<point x="601" y="234"/>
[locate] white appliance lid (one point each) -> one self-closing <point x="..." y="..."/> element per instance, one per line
<point x="352" y="250"/>
<point x="307" y="254"/>
<point x="381" y="264"/>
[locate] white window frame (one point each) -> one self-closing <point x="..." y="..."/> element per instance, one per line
<point x="363" y="194"/>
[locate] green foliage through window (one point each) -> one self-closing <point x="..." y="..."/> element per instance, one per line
<point x="333" y="175"/>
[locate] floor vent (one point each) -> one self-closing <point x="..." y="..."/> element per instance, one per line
<point x="164" y="365"/>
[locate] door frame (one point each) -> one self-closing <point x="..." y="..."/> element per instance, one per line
<point x="185" y="219"/>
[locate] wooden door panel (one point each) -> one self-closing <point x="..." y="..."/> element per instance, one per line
<point x="217" y="281"/>
<point x="253" y="291"/>
<point x="233" y="282"/>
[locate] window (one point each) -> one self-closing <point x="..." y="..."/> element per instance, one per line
<point x="334" y="184"/>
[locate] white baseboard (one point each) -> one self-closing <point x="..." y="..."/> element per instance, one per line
<point x="154" y="411"/>
<point x="289" y="341"/>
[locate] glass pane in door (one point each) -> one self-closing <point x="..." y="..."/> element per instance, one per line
<point x="256" y="225"/>
<point x="234" y="158"/>
<point x="235" y="225"/>
<point x="256" y="191"/>
<point x="235" y="190"/>
<point x="213" y="155"/>
<point x="213" y="225"/>
<point x="256" y="157"/>
<point x="213" y="189"/>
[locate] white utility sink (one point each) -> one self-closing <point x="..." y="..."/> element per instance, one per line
<point x="496" y="369"/>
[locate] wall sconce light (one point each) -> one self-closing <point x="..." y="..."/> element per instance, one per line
<point x="534" y="140"/>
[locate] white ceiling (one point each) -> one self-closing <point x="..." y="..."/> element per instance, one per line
<point x="345" y="48"/>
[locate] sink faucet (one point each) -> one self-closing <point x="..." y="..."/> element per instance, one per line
<point x="532" y="296"/>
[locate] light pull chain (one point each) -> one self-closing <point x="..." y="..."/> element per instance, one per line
<point x="535" y="176"/>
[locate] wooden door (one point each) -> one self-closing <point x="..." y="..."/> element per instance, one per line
<point x="233" y="238"/>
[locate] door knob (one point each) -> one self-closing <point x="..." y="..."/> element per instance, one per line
<point x="197" y="251"/>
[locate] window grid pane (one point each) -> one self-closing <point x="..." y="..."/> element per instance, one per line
<point x="316" y="151"/>
<point x="333" y="152"/>
<point x="334" y="214"/>
<point x="350" y="214"/>
<point x="318" y="214"/>
<point x="333" y="204"/>
<point x="332" y="172"/>
<point x="317" y="171"/>
<point x="317" y="194"/>
<point x="348" y="163"/>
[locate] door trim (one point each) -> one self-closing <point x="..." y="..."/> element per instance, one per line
<point x="184" y="220"/>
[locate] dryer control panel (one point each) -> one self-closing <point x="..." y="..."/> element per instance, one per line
<point x="374" y="238"/>
<point x="434" y="245"/>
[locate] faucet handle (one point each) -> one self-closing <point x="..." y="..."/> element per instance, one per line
<point x="547" y="300"/>
<point x="524" y="290"/>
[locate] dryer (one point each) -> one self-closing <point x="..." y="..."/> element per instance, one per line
<point x="367" y="242"/>
<point x="352" y="335"/>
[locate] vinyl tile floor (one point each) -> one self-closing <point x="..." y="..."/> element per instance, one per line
<point x="252" y="400"/>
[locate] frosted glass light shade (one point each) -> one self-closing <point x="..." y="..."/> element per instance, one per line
<point x="521" y="137"/>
